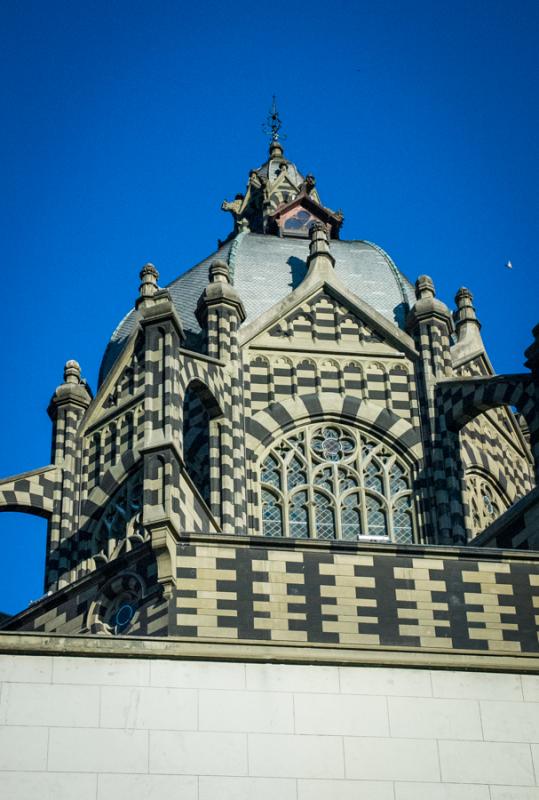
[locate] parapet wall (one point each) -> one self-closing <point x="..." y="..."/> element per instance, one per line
<point x="240" y="589"/>
<point x="440" y="598"/>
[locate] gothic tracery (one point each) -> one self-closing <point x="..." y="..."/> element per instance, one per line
<point x="331" y="481"/>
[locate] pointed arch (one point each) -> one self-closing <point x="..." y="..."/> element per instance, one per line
<point x="266" y="425"/>
<point x="200" y="409"/>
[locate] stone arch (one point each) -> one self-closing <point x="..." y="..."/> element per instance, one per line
<point x="354" y="378"/>
<point x="462" y="401"/>
<point x="264" y="426"/>
<point x="115" y="527"/>
<point x="124" y="591"/>
<point x="260" y="380"/>
<point x="306" y="375"/>
<point x="335" y="478"/>
<point x="350" y="328"/>
<point x="459" y="402"/>
<point x="376" y="380"/>
<point x="282" y="369"/>
<point x="302" y="323"/>
<point x="478" y="480"/>
<point x="398" y="379"/>
<point x="200" y="434"/>
<point x="479" y="461"/>
<point x="30" y="492"/>
<point x="206" y="396"/>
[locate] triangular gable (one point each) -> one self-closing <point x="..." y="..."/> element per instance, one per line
<point x="123" y="382"/>
<point x="283" y="183"/>
<point x="282" y="323"/>
<point x="323" y="319"/>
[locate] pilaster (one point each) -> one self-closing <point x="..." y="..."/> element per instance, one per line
<point x="431" y="325"/>
<point x="66" y="408"/>
<point x="163" y="412"/>
<point x="220" y="312"/>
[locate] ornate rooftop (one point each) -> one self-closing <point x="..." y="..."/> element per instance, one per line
<point x="267" y="253"/>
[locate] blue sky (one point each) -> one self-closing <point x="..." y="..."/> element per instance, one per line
<point x="125" y="125"/>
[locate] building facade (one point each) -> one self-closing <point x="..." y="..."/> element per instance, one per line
<point x="295" y="455"/>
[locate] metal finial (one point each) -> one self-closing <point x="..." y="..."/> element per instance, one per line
<point x="273" y="123"/>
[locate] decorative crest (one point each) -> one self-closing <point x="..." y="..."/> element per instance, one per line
<point x="273" y="123"/>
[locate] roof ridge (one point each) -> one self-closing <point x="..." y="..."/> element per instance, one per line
<point x="393" y="267"/>
<point x="232" y="253"/>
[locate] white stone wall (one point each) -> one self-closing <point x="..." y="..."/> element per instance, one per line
<point x="149" y="729"/>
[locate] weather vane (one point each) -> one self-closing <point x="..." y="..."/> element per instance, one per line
<point x="273" y="124"/>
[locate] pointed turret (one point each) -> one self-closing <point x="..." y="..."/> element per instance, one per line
<point x="430" y="323"/>
<point x="279" y="199"/>
<point x="468" y="328"/>
<point x="148" y="284"/>
<point x="220" y="312"/>
<point x="319" y="259"/>
<point x="66" y="409"/>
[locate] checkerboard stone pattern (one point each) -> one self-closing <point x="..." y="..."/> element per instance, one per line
<point x="256" y="590"/>
<point x="357" y="598"/>
<point x="192" y="427"/>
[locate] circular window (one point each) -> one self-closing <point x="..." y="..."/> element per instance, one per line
<point x="115" y="611"/>
<point x="122" y="616"/>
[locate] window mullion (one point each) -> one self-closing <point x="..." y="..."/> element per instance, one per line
<point x="284" y="494"/>
<point x="337" y="502"/>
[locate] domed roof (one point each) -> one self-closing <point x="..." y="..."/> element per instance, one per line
<point x="264" y="269"/>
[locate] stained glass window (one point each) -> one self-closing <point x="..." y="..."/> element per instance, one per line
<point x="335" y="482"/>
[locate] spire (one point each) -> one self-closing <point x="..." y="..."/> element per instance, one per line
<point x="73" y="391"/>
<point x="279" y="200"/>
<point x="273" y="125"/>
<point x="467" y="326"/>
<point x="219" y="272"/>
<point x="220" y="312"/>
<point x="424" y="287"/>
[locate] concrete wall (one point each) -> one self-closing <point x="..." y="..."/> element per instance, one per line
<point x="146" y="729"/>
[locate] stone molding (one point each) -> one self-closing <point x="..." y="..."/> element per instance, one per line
<point x="177" y="648"/>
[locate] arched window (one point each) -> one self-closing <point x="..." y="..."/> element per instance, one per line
<point x="485" y="501"/>
<point x="330" y="481"/>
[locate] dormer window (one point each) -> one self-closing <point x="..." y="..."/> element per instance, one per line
<point x="297" y="222"/>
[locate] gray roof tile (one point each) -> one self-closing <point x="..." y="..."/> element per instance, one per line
<point x="265" y="269"/>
